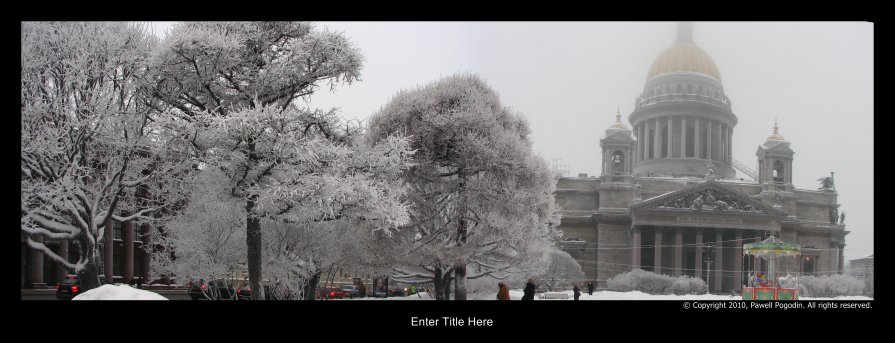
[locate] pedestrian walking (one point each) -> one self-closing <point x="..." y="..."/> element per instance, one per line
<point x="529" y="290"/>
<point x="577" y="291"/>
<point x="590" y="288"/>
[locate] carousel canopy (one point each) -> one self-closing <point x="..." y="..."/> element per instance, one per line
<point x="772" y="247"/>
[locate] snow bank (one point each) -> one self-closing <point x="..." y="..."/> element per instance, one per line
<point x="516" y="294"/>
<point x="118" y="292"/>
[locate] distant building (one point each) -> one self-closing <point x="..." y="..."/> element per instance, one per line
<point x="124" y="258"/>
<point x="862" y="269"/>
<point x="669" y="190"/>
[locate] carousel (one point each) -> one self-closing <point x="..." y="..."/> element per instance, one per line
<point x="766" y="284"/>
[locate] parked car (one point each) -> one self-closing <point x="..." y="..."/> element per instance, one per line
<point x="245" y="293"/>
<point x="71" y="287"/>
<point x="214" y="290"/>
<point x="331" y="293"/>
<point x="352" y="290"/>
<point x="397" y="292"/>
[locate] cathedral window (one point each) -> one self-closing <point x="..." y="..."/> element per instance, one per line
<point x="778" y="171"/>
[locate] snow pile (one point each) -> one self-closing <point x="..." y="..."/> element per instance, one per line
<point x="116" y="292"/>
<point x="516" y="294"/>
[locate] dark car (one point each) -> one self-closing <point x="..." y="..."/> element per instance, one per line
<point x="397" y="292"/>
<point x="245" y="293"/>
<point x="71" y="287"/>
<point x="213" y="290"/>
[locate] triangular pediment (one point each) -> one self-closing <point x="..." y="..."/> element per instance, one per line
<point x="708" y="197"/>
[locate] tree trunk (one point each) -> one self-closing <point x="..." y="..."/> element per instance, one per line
<point x="460" y="282"/>
<point x="446" y="281"/>
<point x="253" y="244"/>
<point x="439" y="285"/>
<point x="462" y="232"/>
<point x="89" y="275"/>
<point x="309" y="291"/>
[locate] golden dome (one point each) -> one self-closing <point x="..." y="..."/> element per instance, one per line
<point x="618" y="121"/>
<point x="684" y="56"/>
<point x="776" y="136"/>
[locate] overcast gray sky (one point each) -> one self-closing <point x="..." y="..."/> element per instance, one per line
<point x="568" y="78"/>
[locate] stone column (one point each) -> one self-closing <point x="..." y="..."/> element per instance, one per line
<point x="108" y="243"/>
<point x="61" y="272"/>
<point x="730" y="144"/>
<point x="657" y="258"/>
<point x="697" y="148"/>
<point x="718" y="147"/>
<point x="642" y="141"/>
<point x="722" y="152"/>
<point x="738" y="261"/>
<point x="841" y="257"/>
<point x="683" y="137"/>
<point x="678" y="251"/>
<point x="698" y="263"/>
<point x="127" y="230"/>
<point x="635" y="251"/>
<point x="637" y="144"/>
<point x="657" y="146"/>
<point x="670" y="134"/>
<point x="648" y="141"/>
<point x="37" y="265"/>
<point x="147" y="253"/>
<point x="719" y="262"/>
<point x="834" y="261"/>
<point x="788" y="171"/>
<point x="708" y="139"/>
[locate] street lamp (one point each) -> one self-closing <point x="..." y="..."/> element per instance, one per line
<point x="707" y="250"/>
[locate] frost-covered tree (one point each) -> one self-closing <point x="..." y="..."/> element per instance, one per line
<point x="562" y="270"/>
<point x="231" y="88"/>
<point x="206" y="240"/>
<point x="480" y="196"/>
<point x="90" y="151"/>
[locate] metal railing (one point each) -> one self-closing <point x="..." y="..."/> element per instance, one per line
<point x="743" y="168"/>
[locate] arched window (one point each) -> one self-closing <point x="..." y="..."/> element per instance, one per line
<point x="618" y="162"/>
<point x="778" y="171"/>
<point x="680" y="88"/>
<point x="689" y="89"/>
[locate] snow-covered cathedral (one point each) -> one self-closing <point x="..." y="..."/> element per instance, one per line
<point x="669" y="200"/>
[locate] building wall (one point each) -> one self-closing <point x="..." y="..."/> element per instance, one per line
<point x="614" y="257"/>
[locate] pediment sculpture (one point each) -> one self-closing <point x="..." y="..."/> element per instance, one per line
<point x="710" y="200"/>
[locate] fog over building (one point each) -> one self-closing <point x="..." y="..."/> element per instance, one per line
<point x="669" y="198"/>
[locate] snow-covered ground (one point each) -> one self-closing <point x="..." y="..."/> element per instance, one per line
<point x="516" y="294"/>
<point x="118" y="292"/>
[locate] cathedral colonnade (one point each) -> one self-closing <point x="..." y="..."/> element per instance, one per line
<point x="695" y="252"/>
<point x="683" y="137"/>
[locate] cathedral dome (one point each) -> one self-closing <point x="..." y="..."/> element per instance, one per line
<point x="684" y="57"/>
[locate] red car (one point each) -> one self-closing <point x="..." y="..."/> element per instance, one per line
<point x="332" y="293"/>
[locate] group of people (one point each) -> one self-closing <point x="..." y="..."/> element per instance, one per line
<point x="503" y="293"/>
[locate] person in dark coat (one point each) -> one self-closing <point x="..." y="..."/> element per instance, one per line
<point x="529" y="290"/>
<point x="590" y="288"/>
<point x="577" y="291"/>
<point x="503" y="292"/>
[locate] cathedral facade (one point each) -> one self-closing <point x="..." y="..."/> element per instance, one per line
<point x="668" y="199"/>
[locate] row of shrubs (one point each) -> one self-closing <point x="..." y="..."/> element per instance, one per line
<point x="649" y="282"/>
<point x="830" y="285"/>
